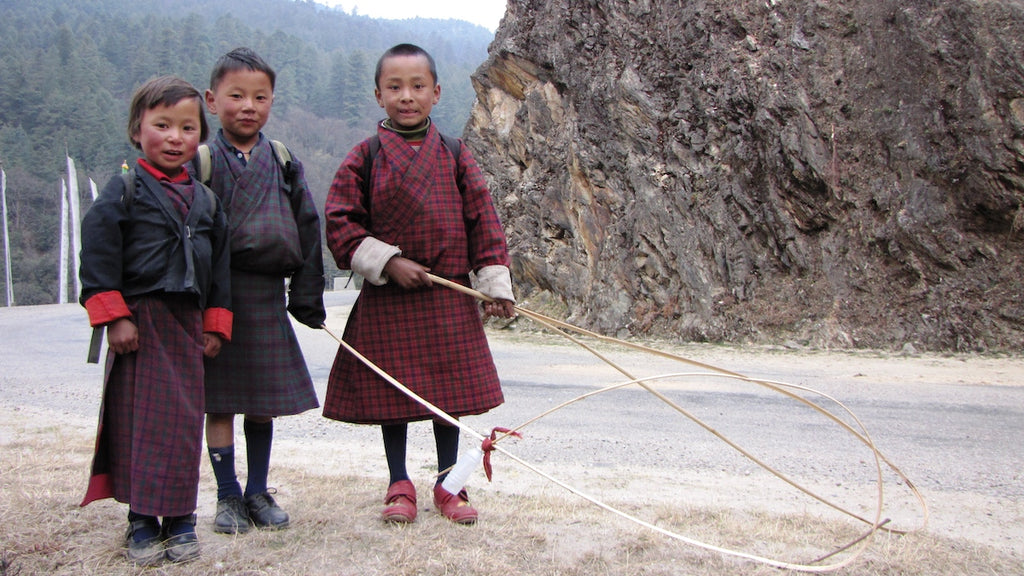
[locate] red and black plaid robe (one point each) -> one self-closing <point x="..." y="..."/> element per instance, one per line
<point x="150" y="437"/>
<point x="431" y="340"/>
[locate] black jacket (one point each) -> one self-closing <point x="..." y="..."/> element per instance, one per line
<point x="145" y="247"/>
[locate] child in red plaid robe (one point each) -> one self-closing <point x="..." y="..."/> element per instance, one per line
<point x="155" y="274"/>
<point x="422" y="211"/>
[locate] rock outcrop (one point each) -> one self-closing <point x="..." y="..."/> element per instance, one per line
<point x="833" y="173"/>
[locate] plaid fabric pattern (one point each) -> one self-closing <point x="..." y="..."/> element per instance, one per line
<point x="261" y="371"/>
<point x="431" y="340"/>
<point x="441" y="219"/>
<point x="150" y="435"/>
<point x="180" y="195"/>
<point x="265" y="244"/>
<point x="264" y="235"/>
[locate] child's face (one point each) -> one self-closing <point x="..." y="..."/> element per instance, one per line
<point x="407" y="91"/>
<point x="242" y="102"/>
<point x="169" y="135"/>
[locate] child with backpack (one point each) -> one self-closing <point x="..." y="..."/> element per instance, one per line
<point x="404" y="203"/>
<point x="154" y="271"/>
<point x="276" y="269"/>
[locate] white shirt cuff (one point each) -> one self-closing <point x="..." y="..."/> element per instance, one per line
<point x="370" y="258"/>
<point x="496" y="282"/>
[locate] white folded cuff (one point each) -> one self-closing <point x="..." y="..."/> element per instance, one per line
<point x="496" y="282"/>
<point x="370" y="258"/>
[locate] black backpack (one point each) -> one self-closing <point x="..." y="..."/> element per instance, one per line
<point x="128" y="177"/>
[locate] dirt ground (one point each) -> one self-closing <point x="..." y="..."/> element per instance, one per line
<point x="921" y="410"/>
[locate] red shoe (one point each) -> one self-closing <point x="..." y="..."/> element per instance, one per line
<point x="400" y="503"/>
<point x="455" y="507"/>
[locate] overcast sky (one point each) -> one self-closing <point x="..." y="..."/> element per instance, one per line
<point x="486" y="13"/>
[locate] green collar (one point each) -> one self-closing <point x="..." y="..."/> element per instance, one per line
<point x="416" y="134"/>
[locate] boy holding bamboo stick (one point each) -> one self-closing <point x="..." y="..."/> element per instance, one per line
<point x="402" y="204"/>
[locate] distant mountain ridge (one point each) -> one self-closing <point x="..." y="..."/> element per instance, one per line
<point x="67" y="70"/>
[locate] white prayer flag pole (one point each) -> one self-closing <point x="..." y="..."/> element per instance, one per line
<point x="7" y="241"/>
<point x="75" y="224"/>
<point x="62" y="275"/>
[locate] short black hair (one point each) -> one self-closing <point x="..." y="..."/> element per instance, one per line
<point x="241" y="58"/>
<point x="162" y="91"/>
<point x="404" y="50"/>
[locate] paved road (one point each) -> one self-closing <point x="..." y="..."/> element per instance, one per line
<point x="958" y="440"/>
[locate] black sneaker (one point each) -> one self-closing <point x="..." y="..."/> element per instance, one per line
<point x="265" y="513"/>
<point x="147" y="550"/>
<point x="232" y="516"/>
<point x="181" y="543"/>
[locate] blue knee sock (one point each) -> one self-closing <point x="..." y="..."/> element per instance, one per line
<point x="145" y="532"/>
<point x="178" y="525"/>
<point x="446" y="438"/>
<point x="223" y="460"/>
<point x="395" y="436"/>
<point x="258" y="438"/>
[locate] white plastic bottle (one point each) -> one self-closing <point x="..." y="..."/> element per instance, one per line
<point x="464" y="466"/>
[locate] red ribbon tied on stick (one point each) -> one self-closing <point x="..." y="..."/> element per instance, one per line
<point x="488" y="446"/>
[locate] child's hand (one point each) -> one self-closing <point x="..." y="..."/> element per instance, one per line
<point x="211" y="344"/>
<point x="407" y="273"/>
<point x="499" y="309"/>
<point x="123" y="336"/>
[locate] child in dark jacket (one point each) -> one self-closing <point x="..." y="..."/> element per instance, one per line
<point x="154" y="271"/>
<point x="424" y="209"/>
<point x="275" y="240"/>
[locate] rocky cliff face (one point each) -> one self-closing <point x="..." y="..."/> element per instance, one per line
<point x="838" y="173"/>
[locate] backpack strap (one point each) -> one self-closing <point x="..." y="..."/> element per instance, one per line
<point x="128" y="179"/>
<point x="281" y="154"/>
<point x="367" y="170"/>
<point x="205" y="164"/>
<point x="128" y="196"/>
<point x="212" y="197"/>
<point x="284" y="159"/>
<point x="453" y="144"/>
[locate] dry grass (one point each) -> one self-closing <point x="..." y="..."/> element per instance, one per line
<point x="336" y="530"/>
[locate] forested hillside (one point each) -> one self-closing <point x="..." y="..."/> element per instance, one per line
<point x="67" y="70"/>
